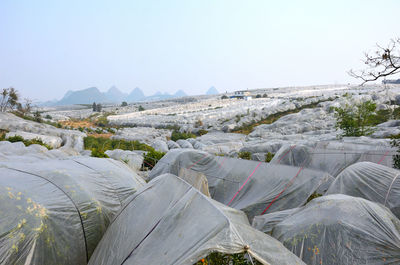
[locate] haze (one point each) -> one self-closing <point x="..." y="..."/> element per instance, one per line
<point x="49" y="47"/>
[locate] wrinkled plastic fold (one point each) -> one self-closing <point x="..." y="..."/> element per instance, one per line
<point x="170" y="222"/>
<point x="55" y="211"/>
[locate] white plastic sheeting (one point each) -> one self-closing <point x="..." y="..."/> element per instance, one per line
<point x="251" y="186"/>
<point x="340" y="229"/>
<point x="55" y="211"/>
<point x="334" y="156"/>
<point x="371" y="181"/>
<point x="170" y="222"/>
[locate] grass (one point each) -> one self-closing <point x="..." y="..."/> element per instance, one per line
<point x="104" y="144"/>
<point x="176" y="135"/>
<point x="17" y="138"/>
<point x="248" y="128"/>
<point x="268" y="157"/>
<point x="245" y="155"/>
<point x="98" y="145"/>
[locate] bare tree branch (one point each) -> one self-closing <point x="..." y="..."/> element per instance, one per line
<point x="385" y="61"/>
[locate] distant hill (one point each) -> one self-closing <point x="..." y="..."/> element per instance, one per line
<point x="180" y="93"/>
<point x="85" y="96"/>
<point x="135" y="96"/>
<point x="113" y="95"/>
<point x="212" y="91"/>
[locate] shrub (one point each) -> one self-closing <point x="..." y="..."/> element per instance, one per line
<point x="269" y="156"/>
<point x="202" y="132"/>
<point x="15" y="138"/>
<point x="265" y="96"/>
<point x="104" y="144"/>
<point x="175" y="136"/>
<point x="313" y="196"/>
<point x="224" y="97"/>
<point x="381" y="116"/>
<point x="151" y="158"/>
<point x="98" y="153"/>
<point x="18" y="138"/>
<point x="2" y="135"/>
<point x="141" y="108"/>
<point x="258" y="96"/>
<point x="217" y="258"/>
<point x="48" y="117"/>
<point x="124" y="104"/>
<point x="245" y="155"/>
<point x="357" y="119"/>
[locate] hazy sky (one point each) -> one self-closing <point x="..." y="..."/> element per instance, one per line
<point x="49" y="47"/>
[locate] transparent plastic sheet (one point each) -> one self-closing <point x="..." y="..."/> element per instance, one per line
<point x="170" y="222"/>
<point x="55" y="211"/>
<point x="196" y="179"/>
<point x="340" y="229"/>
<point x="370" y="181"/>
<point x="267" y="222"/>
<point x="333" y="156"/>
<point x="251" y="186"/>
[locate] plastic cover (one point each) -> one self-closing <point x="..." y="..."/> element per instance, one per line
<point x="170" y="222"/>
<point x="252" y="186"/>
<point x="370" y="181"/>
<point x="56" y="211"/>
<point x="340" y="229"/>
<point x="333" y="157"/>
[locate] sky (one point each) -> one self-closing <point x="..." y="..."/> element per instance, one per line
<point x="49" y="47"/>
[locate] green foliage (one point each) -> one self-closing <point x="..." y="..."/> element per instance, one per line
<point x="18" y="138"/>
<point x="269" y="156"/>
<point x="217" y="258"/>
<point x="102" y="121"/>
<point x="381" y="116"/>
<point x="313" y="196"/>
<point x="98" y="153"/>
<point x="202" y="132"/>
<point x="141" y="108"/>
<point x="357" y="119"/>
<point x="3" y="134"/>
<point x="98" y="145"/>
<point x="265" y="96"/>
<point x="224" y="97"/>
<point x="9" y="99"/>
<point x="237" y="118"/>
<point x="124" y="104"/>
<point x="176" y="135"/>
<point x="245" y="155"/>
<point x="151" y="158"/>
<point x="258" y="96"/>
<point x="48" y="117"/>
<point x="104" y="144"/>
<point x="396" y="114"/>
<point x="37" y="116"/>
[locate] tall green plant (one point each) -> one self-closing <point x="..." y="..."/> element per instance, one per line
<point x="356" y="119"/>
